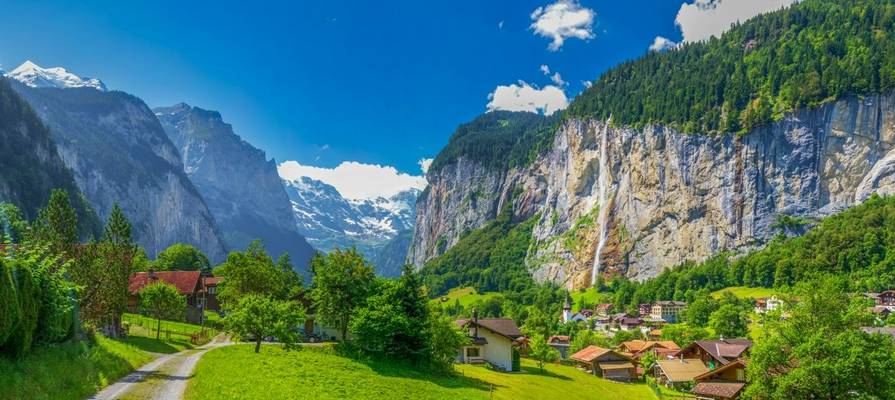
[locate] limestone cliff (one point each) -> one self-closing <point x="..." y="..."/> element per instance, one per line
<point x="238" y="182"/>
<point x="658" y="196"/>
<point x="119" y="153"/>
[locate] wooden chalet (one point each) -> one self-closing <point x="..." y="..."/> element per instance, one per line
<point x="605" y="363"/>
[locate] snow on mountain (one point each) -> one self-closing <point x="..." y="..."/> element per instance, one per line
<point x="328" y="220"/>
<point x="36" y="76"/>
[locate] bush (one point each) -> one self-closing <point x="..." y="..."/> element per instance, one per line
<point x="9" y="303"/>
<point x="22" y="335"/>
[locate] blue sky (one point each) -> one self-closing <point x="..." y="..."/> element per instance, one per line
<point x="326" y="82"/>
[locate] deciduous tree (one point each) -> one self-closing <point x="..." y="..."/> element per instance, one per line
<point x="161" y="300"/>
<point x="342" y="281"/>
<point x="262" y="316"/>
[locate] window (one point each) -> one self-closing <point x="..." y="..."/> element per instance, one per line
<point x="472" y="352"/>
<point x="741" y="375"/>
<point x="212" y="289"/>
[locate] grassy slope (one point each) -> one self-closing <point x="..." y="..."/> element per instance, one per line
<point x="236" y="373"/>
<point x="466" y="295"/>
<point x="68" y="371"/>
<point x="745" y="292"/>
<point x="175" y="336"/>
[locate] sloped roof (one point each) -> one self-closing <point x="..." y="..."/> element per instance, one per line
<point x="502" y="326"/>
<point x="559" y="339"/>
<point x="589" y="354"/>
<point x="638" y="345"/>
<point x="186" y="282"/>
<point x="722" y="389"/>
<point x="681" y="370"/>
<point x="723" y="350"/>
<point x="212" y="280"/>
<point x="717" y="371"/>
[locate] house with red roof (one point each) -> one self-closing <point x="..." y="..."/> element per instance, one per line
<point x="717" y="353"/>
<point x="190" y="284"/>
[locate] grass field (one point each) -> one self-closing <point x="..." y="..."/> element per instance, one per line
<point x="69" y="371"/>
<point x="467" y="296"/>
<point x="745" y="292"/>
<point x="590" y="297"/>
<point x="174" y="337"/>
<point x="235" y="372"/>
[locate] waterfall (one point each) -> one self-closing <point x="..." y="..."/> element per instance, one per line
<point x="602" y="184"/>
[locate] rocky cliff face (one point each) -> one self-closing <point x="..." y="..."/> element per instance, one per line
<point x="119" y="153"/>
<point x="30" y="167"/>
<point x="239" y="183"/>
<point x="658" y="197"/>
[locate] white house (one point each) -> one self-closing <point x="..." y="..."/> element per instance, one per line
<point x="568" y="315"/>
<point x="491" y="340"/>
<point x="767" y="304"/>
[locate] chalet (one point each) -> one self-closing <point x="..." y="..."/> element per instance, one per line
<point x="638" y="348"/>
<point x="211" y="292"/>
<point x="678" y="371"/>
<point x="716" y="353"/>
<point x="723" y="383"/>
<point x="190" y="284"/>
<point x="668" y="311"/>
<point x="561" y="343"/>
<point x="644" y="309"/>
<point x="886" y="298"/>
<point x="766" y="304"/>
<point x="603" y="309"/>
<point x="491" y="340"/>
<point x="606" y="363"/>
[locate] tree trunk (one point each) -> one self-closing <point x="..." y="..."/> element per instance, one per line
<point x="158" y="329"/>
<point x="257" y="343"/>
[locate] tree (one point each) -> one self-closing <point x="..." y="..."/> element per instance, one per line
<point x="57" y="224"/>
<point x="262" y="316"/>
<point x="647" y="361"/>
<point x="819" y="351"/>
<point x="541" y="351"/>
<point x="682" y="334"/>
<point x="13" y="226"/>
<point x="250" y="272"/>
<point x="162" y="301"/>
<point x="394" y="321"/>
<point x="729" y="321"/>
<point x="700" y="309"/>
<point x="102" y="271"/>
<point x="342" y="281"/>
<point x="445" y="340"/>
<point x="588" y="338"/>
<point x="293" y="279"/>
<point x="118" y="229"/>
<point x="181" y="257"/>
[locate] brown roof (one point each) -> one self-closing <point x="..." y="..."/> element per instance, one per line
<point x="186" y="282"/>
<point x="717" y="371"/>
<point x="723" y="350"/>
<point x="589" y="354"/>
<point x="212" y="280"/>
<point x="681" y="370"/>
<point x="670" y="303"/>
<point x="616" y="365"/>
<point x="559" y="339"/>
<point x="722" y="389"/>
<point x="643" y="345"/>
<point x="502" y="326"/>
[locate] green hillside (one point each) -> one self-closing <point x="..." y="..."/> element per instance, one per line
<point x="812" y="52"/>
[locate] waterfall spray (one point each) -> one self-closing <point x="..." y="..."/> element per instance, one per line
<point x="602" y="184"/>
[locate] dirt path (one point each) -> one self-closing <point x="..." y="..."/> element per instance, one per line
<point x="165" y="378"/>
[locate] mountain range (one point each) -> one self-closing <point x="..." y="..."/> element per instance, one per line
<point x="378" y="227"/>
<point x="182" y="174"/>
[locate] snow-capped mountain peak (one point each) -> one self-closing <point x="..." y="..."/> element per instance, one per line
<point x="36" y="76"/>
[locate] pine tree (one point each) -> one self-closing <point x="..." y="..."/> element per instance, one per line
<point x="57" y="224"/>
<point x="118" y="228"/>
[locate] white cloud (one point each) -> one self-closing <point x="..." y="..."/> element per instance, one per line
<point x="587" y="84"/>
<point x="355" y="180"/>
<point x="525" y="97"/>
<point x="661" y="44"/>
<point x="556" y="77"/>
<point x="500" y="25"/>
<point x="424" y="164"/>
<point x="561" y="20"/>
<point x="703" y="19"/>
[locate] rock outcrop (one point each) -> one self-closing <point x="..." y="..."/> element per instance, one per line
<point x="239" y="183"/>
<point x="119" y="153"/>
<point x="668" y="196"/>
